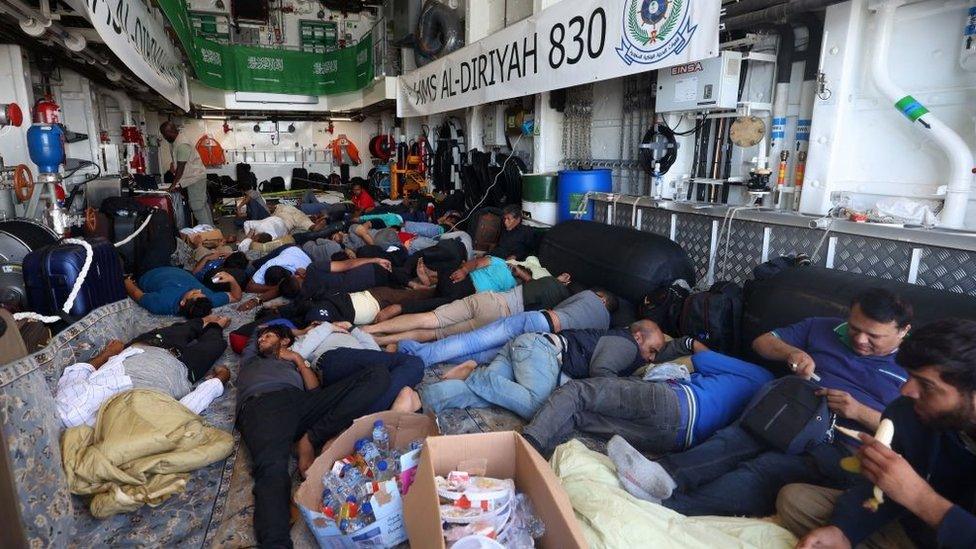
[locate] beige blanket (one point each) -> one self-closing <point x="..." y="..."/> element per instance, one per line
<point x="140" y="451"/>
<point x="613" y="518"/>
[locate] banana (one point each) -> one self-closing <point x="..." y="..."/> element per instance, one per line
<point x="886" y="432"/>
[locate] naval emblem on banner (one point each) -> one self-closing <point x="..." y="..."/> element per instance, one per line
<point x="654" y="29"/>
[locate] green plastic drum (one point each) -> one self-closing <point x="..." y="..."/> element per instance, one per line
<point x="539" y="187"/>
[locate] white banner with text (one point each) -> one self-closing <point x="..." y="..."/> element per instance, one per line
<point x="570" y="43"/>
<point x="136" y="34"/>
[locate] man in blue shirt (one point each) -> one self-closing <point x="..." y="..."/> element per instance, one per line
<point x="174" y="291"/>
<point x="928" y="476"/>
<point x="734" y="473"/>
<point x="657" y="416"/>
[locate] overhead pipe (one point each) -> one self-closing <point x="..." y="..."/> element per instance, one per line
<point x="776" y="14"/>
<point x="748" y="6"/>
<point x="960" y="157"/>
<point x="124" y="103"/>
<point x="35" y="24"/>
<point x="73" y="42"/>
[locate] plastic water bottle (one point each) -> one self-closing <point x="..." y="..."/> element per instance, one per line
<point x="355" y="482"/>
<point x="368" y="450"/>
<point x="415" y="445"/>
<point x="329" y="503"/>
<point x="366" y="514"/>
<point x="383" y="471"/>
<point x="381" y="437"/>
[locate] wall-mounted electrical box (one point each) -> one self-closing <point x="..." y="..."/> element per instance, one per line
<point x="709" y="84"/>
<point x="494" y="128"/>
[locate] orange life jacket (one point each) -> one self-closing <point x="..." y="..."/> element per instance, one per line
<point x="343" y="144"/>
<point x="211" y="153"/>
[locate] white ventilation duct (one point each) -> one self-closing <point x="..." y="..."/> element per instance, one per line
<point x="125" y="105"/>
<point x="960" y="157"/>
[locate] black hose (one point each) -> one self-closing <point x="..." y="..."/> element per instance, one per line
<point x="784" y="54"/>
<point x="814" y="27"/>
<point x="646" y="156"/>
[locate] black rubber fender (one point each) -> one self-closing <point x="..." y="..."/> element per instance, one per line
<point x="801" y="292"/>
<point x="628" y="262"/>
<point x="439" y="32"/>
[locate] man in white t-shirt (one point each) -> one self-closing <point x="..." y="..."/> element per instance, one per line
<point x="188" y="172"/>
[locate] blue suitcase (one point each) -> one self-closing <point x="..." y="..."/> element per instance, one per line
<point x="50" y="274"/>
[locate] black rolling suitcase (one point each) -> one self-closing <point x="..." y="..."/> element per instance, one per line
<point x="125" y="215"/>
<point x="50" y="274"/>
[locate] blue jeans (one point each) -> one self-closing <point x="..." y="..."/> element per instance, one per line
<point x="420" y="228"/>
<point x="405" y="371"/>
<point x="420" y="243"/>
<point x="480" y="345"/>
<point x="256" y="211"/>
<point x="519" y="379"/>
<point x="734" y="474"/>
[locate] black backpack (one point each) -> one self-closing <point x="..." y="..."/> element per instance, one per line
<point x="788" y="415"/>
<point x="664" y="306"/>
<point x="713" y="317"/>
<point x="771" y="268"/>
<point x="274" y="185"/>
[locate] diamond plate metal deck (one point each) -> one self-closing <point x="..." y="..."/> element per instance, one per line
<point x="600" y="211"/>
<point x="623" y="215"/>
<point x="656" y="221"/>
<point x="694" y="234"/>
<point x="948" y="269"/>
<point x="744" y="252"/>
<point x="794" y="240"/>
<point x="940" y="268"/>
<point x="873" y="256"/>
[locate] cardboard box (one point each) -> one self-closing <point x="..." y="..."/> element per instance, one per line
<point x="387" y="505"/>
<point x="505" y="455"/>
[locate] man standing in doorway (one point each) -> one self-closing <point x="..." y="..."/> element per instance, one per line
<point x="188" y="172"/>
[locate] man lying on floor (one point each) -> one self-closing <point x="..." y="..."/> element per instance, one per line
<point x="234" y="264"/>
<point x="358" y="308"/>
<point x="664" y="411"/>
<point x="291" y="259"/>
<point x="174" y="291"/>
<point x="169" y="359"/>
<point x="587" y="310"/>
<point x="529" y="368"/>
<point x="451" y="282"/>
<point x="928" y="476"/>
<point x="280" y="402"/>
<point x="475" y="311"/>
<point x="735" y="473"/>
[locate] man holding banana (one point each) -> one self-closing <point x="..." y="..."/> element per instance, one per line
<point x="737" y="473"/>
<point x="927" y="476"/>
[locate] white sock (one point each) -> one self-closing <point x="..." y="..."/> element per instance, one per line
<point x="201" y="397"/>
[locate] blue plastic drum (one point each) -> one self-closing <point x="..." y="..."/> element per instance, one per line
<point x="573" y="186"/>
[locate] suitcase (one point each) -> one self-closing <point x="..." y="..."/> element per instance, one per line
<point x="155" y="244"/>
<point x="174" y="204"/>
<point x="486" y="232"/>
<point x="125" y="215"/>
<point x="50" y="274"/>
